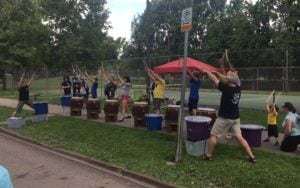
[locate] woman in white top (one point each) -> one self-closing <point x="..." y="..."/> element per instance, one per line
<point x="291" y="127"/>
<point x="125" y="95"/>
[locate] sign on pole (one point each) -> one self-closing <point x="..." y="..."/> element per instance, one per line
<point x="186" y="25"/>
<point x="186" y="19"/>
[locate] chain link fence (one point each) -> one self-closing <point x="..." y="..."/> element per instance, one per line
<point x="281" y="78"/>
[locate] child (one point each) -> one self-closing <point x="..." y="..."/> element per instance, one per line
<point x="66" y="86"/>
<point x="125" y="86"/>
<point x="23" y="88"/>
<point x="272" y="122"/>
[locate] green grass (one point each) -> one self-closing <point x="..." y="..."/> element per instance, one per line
<point x="147" y="152"/>
<point x="5" y="113"/>
<point x="260" y="118"/>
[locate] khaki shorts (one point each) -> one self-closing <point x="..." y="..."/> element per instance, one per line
<point x="222" y="126"/>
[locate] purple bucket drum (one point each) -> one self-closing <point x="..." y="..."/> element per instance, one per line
<point x="197" y="127"/>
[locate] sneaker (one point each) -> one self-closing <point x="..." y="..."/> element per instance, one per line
<point x="267" y="140"/>
<point x="252" y="160"/>
<point x="207" y="158"/>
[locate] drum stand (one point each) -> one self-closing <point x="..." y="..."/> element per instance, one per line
<point x="111" y="117"/>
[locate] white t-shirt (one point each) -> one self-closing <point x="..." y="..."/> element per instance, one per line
<point x="295" y="127"/>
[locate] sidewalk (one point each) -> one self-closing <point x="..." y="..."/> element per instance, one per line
<point x="58" y="110"/>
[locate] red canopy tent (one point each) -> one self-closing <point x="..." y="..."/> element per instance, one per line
<point x="176" y="66"/>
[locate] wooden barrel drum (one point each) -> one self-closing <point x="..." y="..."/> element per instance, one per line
<point x="208" y="112"/>
<point x="76" y="106"/>
<point x="111" y="108"/>
<point x="93" y="107"/>
<point x="139" y="109"/>
<point x="171" y="117"/>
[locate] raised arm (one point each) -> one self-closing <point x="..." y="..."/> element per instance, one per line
<point x="104" y="75"/>
<point x="21" y="79"/>
<point x="89" y="77"/>
<point x="221" y="76"/>
<point x="227" y="59"/>
<point x="149" y="72"/>
<point x="212" y="77"/>
<point x="191" y="75"/>
<point x="222" y="64"/>
<point x="268" y="101"/>
<point x="31" y="79"/>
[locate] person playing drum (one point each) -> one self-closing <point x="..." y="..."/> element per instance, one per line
<point x="110" y="85"/>
<point x="94" y="81"/>
<point x="223" y="77"/>
<point x="23" y="88"/>
<point x="159" y="90"/>
<point x="125" y="95"/>
<point x="195" y="84"/>
<point x="66" y="86"/>
<point x="272" y="110"/>
<point x="228" y="117"/>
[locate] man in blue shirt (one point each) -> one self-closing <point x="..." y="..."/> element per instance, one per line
<point x="5" y="181"/>
<point x="195" y="84"/>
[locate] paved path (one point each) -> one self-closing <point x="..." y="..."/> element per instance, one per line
<point x="56" y="109"/>
<point x="34" y="167"/>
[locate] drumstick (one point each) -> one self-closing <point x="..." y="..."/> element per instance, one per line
<point x="226" y="55"/>
<point x="164" y="107"/>
<point x="269" y="97"/>
<point x="277" y="98"/>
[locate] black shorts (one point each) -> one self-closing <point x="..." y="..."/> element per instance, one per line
<point x="273" y="130"/>
<point x="157" y="103"/>
<point x="193" y="104"/>
<point x="290" y="143"/>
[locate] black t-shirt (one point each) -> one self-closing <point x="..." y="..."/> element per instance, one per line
<point x="68" y="84"/>
<point x="110" y="90"/>
<point x="76" y="89"/>
<point x="229" y="107"/>
<point x="24" y="93"/>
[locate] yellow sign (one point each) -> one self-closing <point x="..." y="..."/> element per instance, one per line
<point x="186" y="27"/>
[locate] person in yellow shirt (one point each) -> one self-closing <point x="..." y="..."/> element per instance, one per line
<point x="159" y="88"/>
<point x="272" y="111"/>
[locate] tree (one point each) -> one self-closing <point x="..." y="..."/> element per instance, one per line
<point x="23" y="37"/>
<point x="79" y="32"/>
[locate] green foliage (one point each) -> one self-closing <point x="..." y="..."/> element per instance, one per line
<point x="217" y="25"/>
<point x="55" y="33"/>
<point x="23" y="37"/>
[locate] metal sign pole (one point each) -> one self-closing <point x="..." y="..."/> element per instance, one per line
<point x="186" y="25"/>
<point x="183" y="87"/>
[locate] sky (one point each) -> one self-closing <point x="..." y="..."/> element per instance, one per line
<point x="121" y="14"/>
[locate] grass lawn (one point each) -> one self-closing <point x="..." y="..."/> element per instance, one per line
<point x="147" y="152"/>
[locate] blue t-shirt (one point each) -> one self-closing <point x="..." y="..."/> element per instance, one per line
<point x="5" y="181"/>
<point x="194" y="88"/>
<point x="94" y="89"/>
<point x="295" y="127"/>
